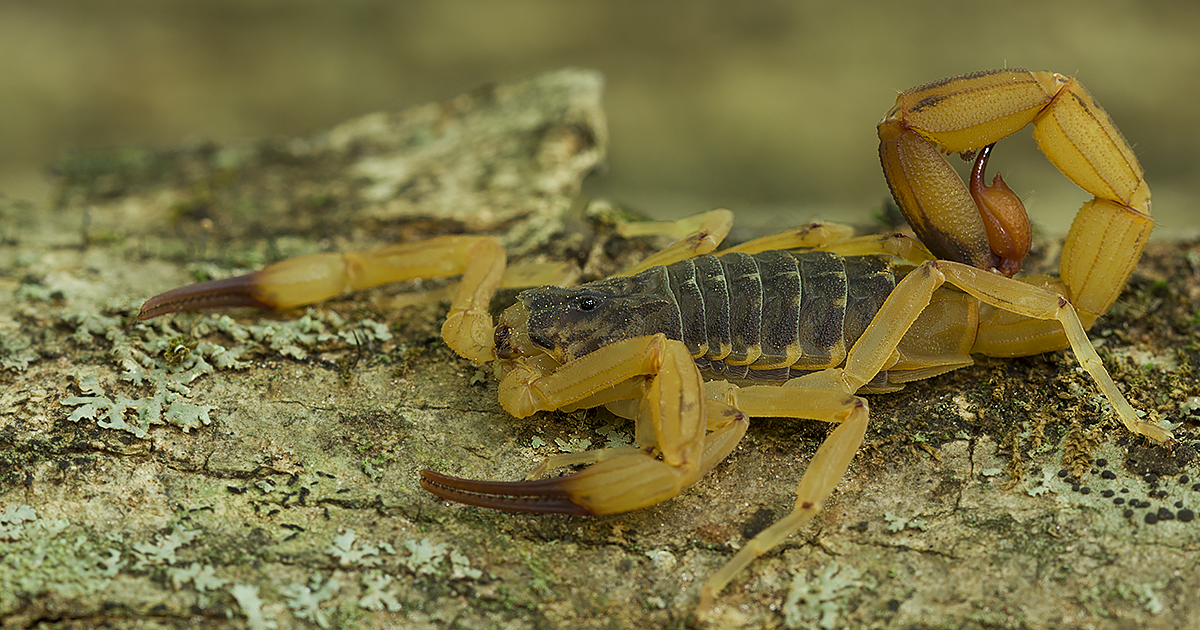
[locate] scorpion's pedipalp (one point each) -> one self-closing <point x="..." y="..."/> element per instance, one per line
<point x="285" y="284"/>
<point x="318" y="277"/>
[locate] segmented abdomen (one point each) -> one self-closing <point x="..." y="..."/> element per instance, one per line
<point x="774" y="315"/>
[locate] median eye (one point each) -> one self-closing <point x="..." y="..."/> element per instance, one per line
<point x="586" y="303"/>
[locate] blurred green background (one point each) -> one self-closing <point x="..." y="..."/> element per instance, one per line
<point x="768" y="108"/>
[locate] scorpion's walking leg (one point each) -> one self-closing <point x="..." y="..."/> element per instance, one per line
<point x="827" y="395"/>
<point x="700" y="234"/>
<point x="704" y="232"/>
<point x="1042" y="304"/>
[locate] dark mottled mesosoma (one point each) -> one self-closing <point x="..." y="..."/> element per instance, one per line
<point x="762" y="317"/>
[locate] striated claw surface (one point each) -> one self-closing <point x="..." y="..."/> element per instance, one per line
<point x="543" y="496"/>
<point x="616" y="483"/>
<point x="285" y="284"/>
<point x="226" y="292"/>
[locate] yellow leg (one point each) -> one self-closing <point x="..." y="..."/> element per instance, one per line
<point x="814" y="235"/>
<point x="1038" y="303"/>
<point x="702" y="232"/>
<point x="827" y="467"/>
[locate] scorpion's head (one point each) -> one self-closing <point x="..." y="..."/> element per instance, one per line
<point x="567" y="323"/>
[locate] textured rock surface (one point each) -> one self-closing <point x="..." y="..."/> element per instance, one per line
<point x="208" y="470"/>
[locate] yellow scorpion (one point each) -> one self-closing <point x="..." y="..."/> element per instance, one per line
<point x="797" y="324"/>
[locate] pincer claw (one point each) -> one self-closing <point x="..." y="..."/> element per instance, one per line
<point x="226" y="292"/>
<point x="543" y="496"/>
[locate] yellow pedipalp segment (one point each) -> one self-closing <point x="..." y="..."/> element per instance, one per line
<point x="1102" y="248"/>
<point x="468" y="329"/>
<point x="971" y="111"/>
<point x="302" y="280"/>
<point x="1079" y="138"/>
<point x="934" y="199"/>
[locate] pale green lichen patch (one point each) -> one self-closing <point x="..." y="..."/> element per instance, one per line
<point x="305" y="600"/>
<point x="247" y="598"/>
<point x="16" y="352"/>
<point x="377" y="594"/>
<point x="40" y="556"/>
<point x="162" y="550"/>
<point x="898" y="523"/>
<point x="110" y="413"/>
<point x="820" y="599"/>
<point x="202" y="578"/>
<point x="12" y="521"/>
<point x="430" y="558"/>
<point x="169" y="361"/>
<point x="350" y="552"/>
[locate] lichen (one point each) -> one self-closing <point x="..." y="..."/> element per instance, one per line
<point x="162" y="551"/>
<point x="376" y="594"/>
<point x="203" y="578"/>
<point x="426" y="558"/>
<point x="247" y="598"/>
<point x="12" y="521"/>
<point x="157" y="355"/>
<point x="819" y="599"/>
<point x="39" y="556"/>
<point x="165" y="407"/>
<point x="16" y="352"/>
<point x="898" y="523"/>
<point x="305" y="601"/>
<point x="365" y="555"/>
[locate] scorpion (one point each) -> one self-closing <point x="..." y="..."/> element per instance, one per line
<point x="691" y="344"/>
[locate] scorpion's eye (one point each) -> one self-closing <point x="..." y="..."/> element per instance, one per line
<point x="586" y="303"/>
